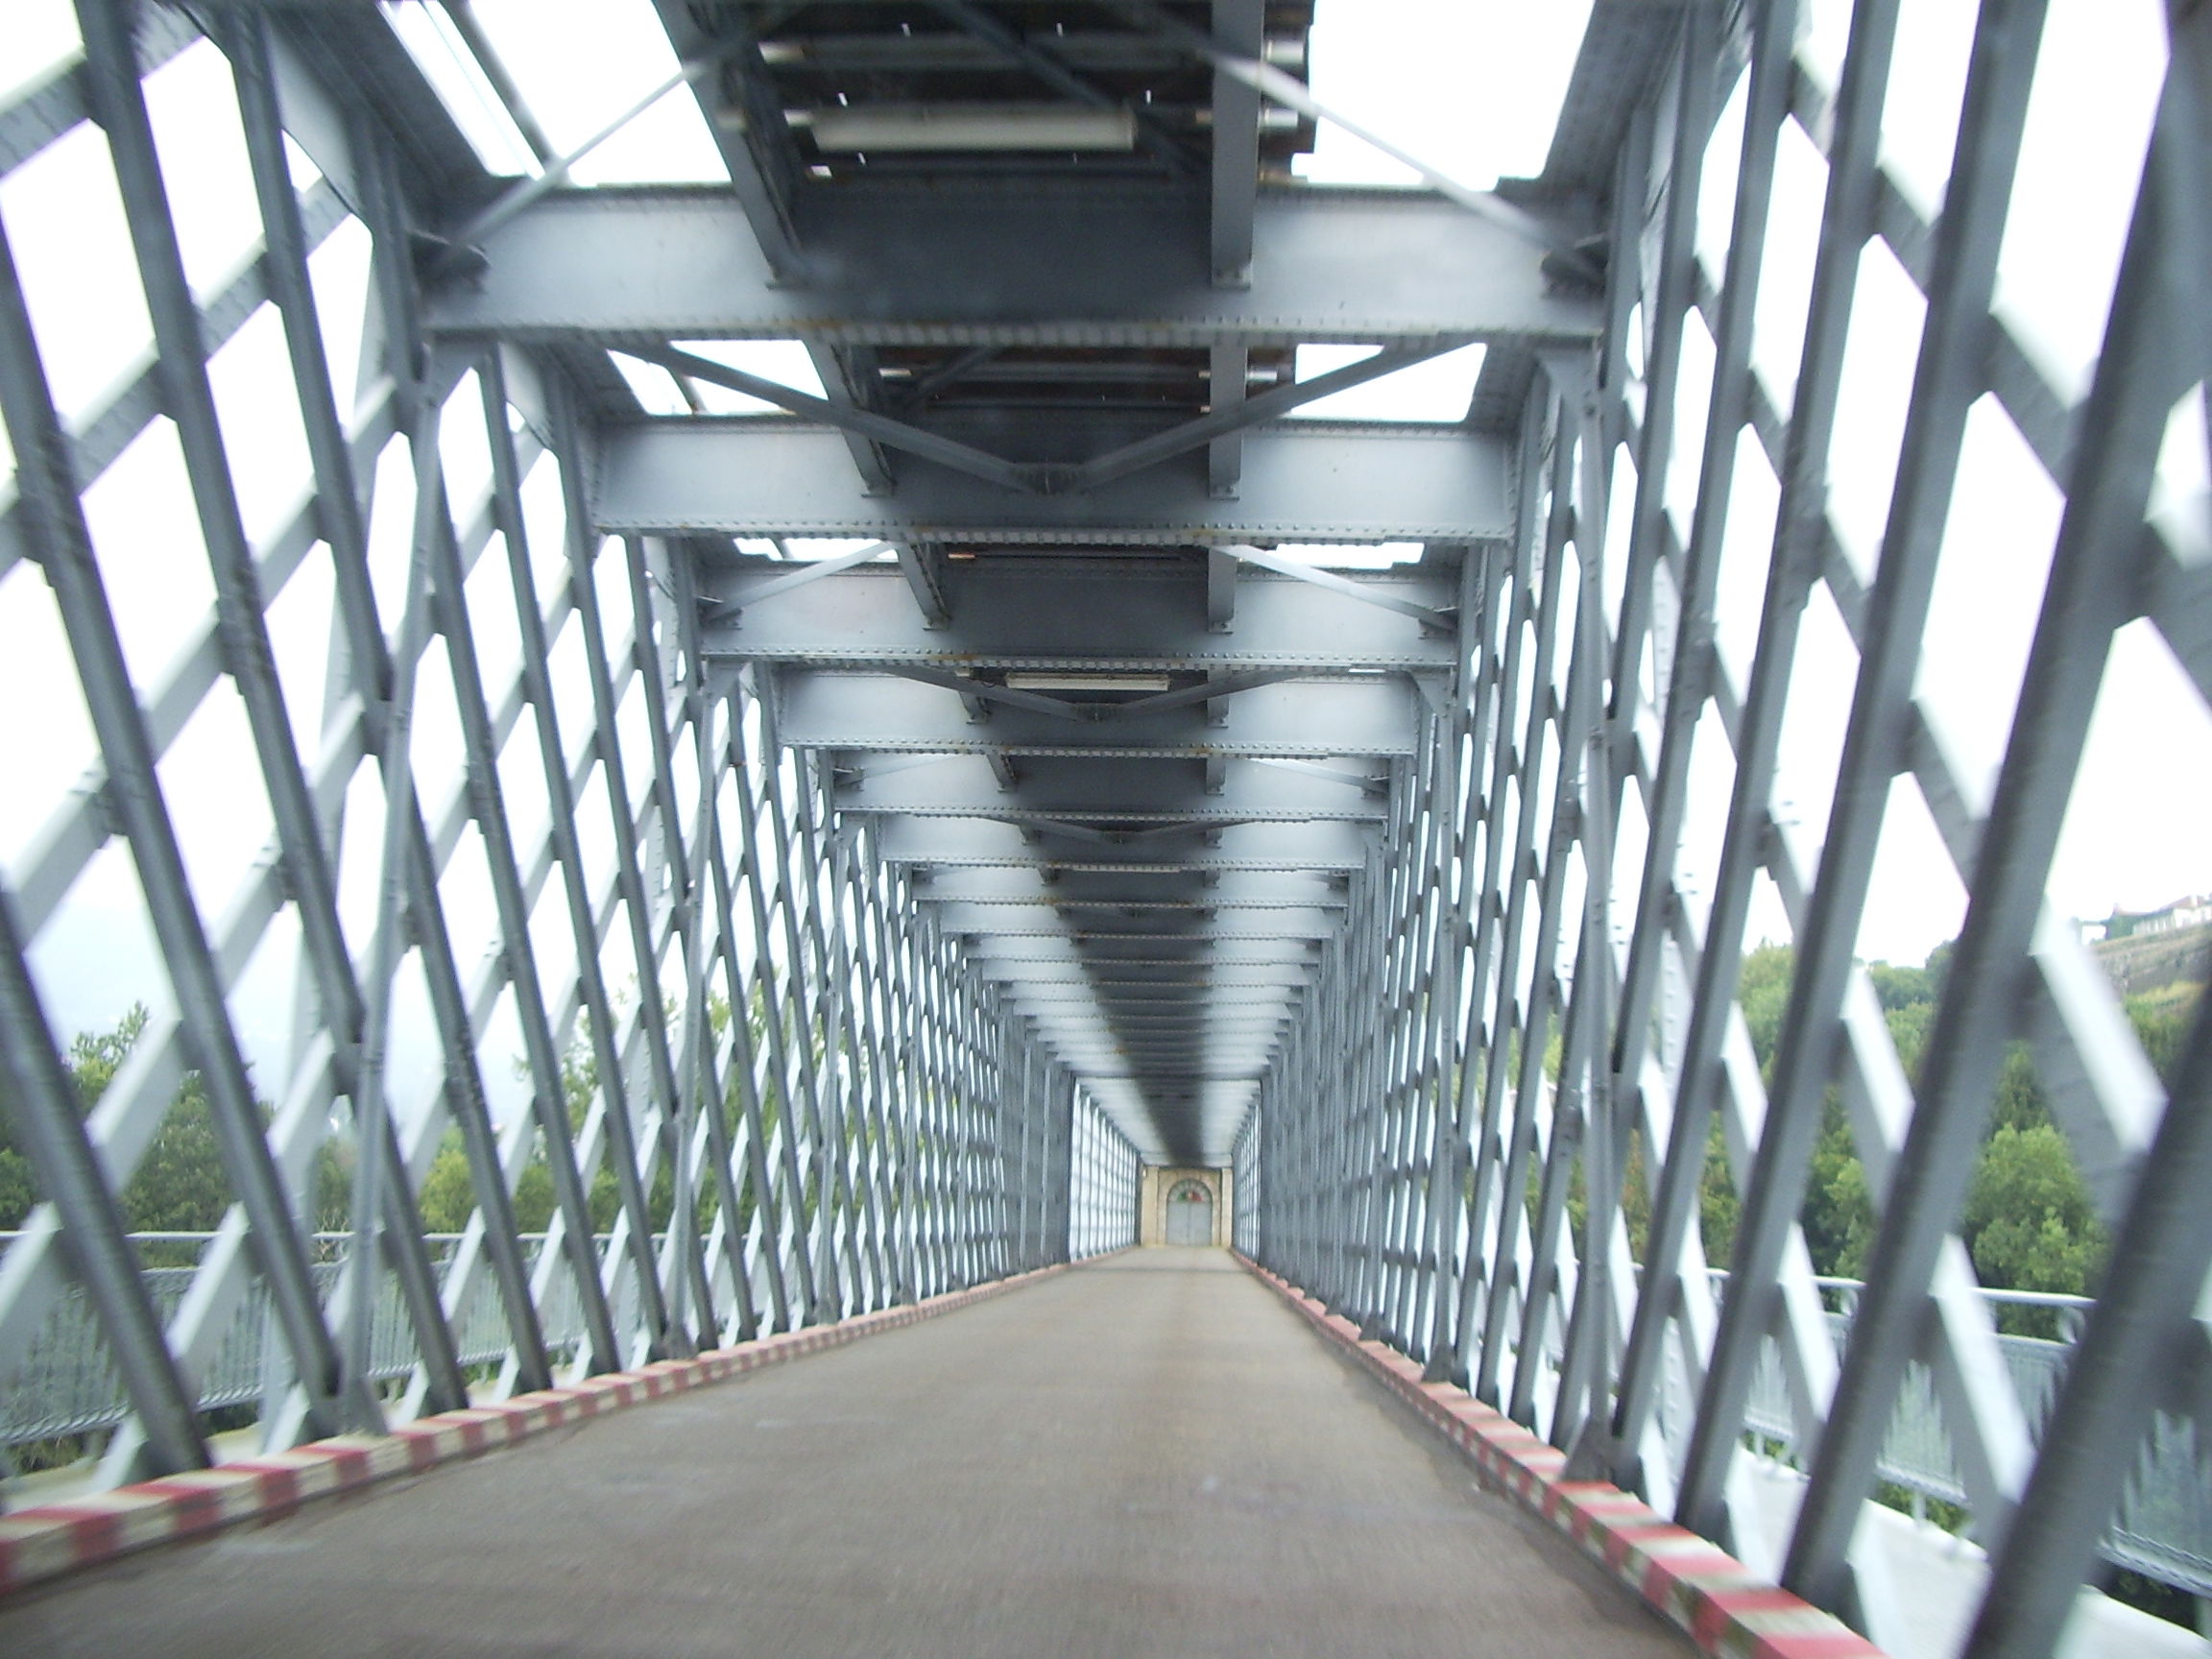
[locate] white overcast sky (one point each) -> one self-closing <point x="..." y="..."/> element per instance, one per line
<point x="1469" y="86"/>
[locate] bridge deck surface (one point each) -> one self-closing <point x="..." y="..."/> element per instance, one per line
<point x="1149" y="1456"/>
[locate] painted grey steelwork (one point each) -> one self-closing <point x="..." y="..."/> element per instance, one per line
<point x="1333" y="482"/>
<point x="799" y="935"/>
<point x="1055" y="263"/>
<point x="745" y="1047"/>
<point x="1458" y="1088"/>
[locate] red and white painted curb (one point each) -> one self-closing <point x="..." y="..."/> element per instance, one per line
<point x="56" y="1538"/>
<point x="1725" y="1608"/>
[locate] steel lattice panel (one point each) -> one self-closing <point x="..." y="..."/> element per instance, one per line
<point x="854" y="928"/>
<point x="1539" y="985"/>
<point x="514" y="817"/>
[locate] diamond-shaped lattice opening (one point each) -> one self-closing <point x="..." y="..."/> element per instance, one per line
<point x="153" y="564"/>
<point x="1872" y="404"/>
<point x="1988" y="595"/>
<point x="1926" y="85"/>
<point x="1786" y="275"/>
<point x="71" y="244"/>
<point x="2075" y="188"/>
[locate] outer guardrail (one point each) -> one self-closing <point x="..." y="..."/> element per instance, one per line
<point x="66" y="1382"/>
<point x="2164" y="1526"/>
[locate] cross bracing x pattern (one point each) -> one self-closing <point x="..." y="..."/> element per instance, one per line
<point x="555" y="908"/>
<point x="818" y="936"/>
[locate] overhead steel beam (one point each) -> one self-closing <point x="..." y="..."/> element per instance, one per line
<point x="1246" y="1026"/>
<point x="1241" y="415"/>
<point x="1055" y="264"/>
<point x="1302" y="482"/>
<point x="821" y="708"/>
<point x="1012" y="921"/>
<point x="1110" y="790"/>
<point x="1111" y="952"/>
<point x="1161" y="1019"/>
<point x="1106" y="978"/>
<point x="1114" y="51"/>
<point x="1126" y="1075"/>
<point x="982" y="843"/>
<point x="1142" y="1042"/>
<point x="1162" y="1068"/>
<point x="1170" y="993"/>
<point x="1061" y="998"/>
<point x="1214" y="688"/>
<point x="1238" y="889"/>
<point x="1173" y="1051"/>
<point x="1126" y="1037"/>
<point x="922" y="564"/>
<point x="801" y="575"/>
<point x="461" y="239"/>
<point x="1094" y="615"/>
<point x="1163" y="1010"/>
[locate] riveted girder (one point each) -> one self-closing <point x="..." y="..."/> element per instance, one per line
<point x="858" y="712"/>
<point x="1311" y="482"/>
<point x="1035" y="263"/>
<point x="1078" y="614"/>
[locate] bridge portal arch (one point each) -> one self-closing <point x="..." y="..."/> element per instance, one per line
<point x="1185" y="1205"/>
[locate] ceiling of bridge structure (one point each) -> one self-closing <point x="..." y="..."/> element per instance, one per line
<point x="977" y="365"/>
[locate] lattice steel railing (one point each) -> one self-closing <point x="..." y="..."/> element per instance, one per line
<point x="418" y="754"/>
<point x="1535" y="1001"/>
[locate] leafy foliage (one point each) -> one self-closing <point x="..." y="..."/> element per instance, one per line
<point x="2029" y="1224"/>
<point x="180" y="1185"/>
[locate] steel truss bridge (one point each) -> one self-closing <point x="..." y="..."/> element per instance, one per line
<point x="826" y="933"/>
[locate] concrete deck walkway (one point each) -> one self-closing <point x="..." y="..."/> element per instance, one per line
<point x="1151" y="1456"/>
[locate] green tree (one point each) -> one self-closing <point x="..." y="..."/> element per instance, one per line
<point x="447" y="1197"/>
<point x="1763" y="992"/>
<point x="1839" y="1214"/>
<point x="179" y="1186"/>
<point x="533" y="1203"/>
<point x="18" y="1191"/>
<point x="1718" y="1208"/>
<point x="2029" y="1224"/>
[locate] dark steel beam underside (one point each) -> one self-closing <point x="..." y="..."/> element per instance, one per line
<point x="1039" y="263"/>
<point x="862" y="713"/>
<point x="987" y="843"/>
<point x="1111" y="791"/>
<point x="1076" y="614"/>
